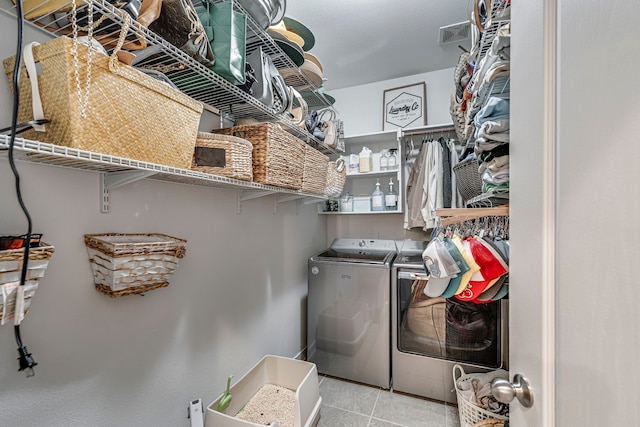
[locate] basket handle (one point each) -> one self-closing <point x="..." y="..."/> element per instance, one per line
<point x="457" y="367"/>
<point x="113" y="59"/>
<point x="36" y="102"/>
<point x="340" y="165"/>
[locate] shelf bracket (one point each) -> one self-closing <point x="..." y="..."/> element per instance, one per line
<point x="111" y="180"/>
<point x="243" y="196"/>
<point x="287" y="198"/>
<point x="314" y="200"/>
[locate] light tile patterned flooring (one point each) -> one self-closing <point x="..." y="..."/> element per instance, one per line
<point x="346" y="404"/>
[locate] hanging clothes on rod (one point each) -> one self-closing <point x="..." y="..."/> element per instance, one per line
<point x="431" y="183"/>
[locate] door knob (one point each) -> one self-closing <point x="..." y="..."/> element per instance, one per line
<point x="504" y="391"/>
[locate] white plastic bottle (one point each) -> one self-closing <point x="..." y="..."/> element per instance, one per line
<point x="377" y="198"/>
<point x="354" y="163"/>
<point x="391" y="198"/>
<point x="365" y="160"/>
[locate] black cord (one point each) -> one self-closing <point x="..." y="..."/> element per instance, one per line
<point x="26" y="361"/>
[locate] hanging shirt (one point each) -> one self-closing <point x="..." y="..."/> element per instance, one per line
<point x="413" y="215"/>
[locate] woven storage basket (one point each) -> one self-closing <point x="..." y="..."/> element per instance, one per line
<point x="278" y="156"/>
<point x="470" y="413"/>
<point x="223" y="155"/>
<point x="129" y="114"/>
<point x="336" y="177"/>
<point x="468" y="179"/>
<point x="10" y="270"/>
<point x="124" y="264"/>
<point x="314" y="176"/>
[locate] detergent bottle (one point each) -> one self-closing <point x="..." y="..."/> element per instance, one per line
<point x="365" y="160"/>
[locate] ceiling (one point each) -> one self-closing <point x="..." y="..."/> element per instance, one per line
<point x="364" y="41"/>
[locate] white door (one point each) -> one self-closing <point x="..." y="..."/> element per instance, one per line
<point x="575" y="247"/>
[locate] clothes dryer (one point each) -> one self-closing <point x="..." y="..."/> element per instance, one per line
<point x="431" y="335"/>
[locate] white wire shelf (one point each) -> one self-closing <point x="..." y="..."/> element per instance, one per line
<point x="194" y="79"/>
<point x="56" y="155"/>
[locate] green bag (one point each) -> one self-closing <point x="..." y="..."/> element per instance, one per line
<point x="226" y="30"/>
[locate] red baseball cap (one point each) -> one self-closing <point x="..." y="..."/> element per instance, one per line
<point x="490" y="269"/>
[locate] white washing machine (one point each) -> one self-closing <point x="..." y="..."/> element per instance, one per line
<point x="348" y="310"/>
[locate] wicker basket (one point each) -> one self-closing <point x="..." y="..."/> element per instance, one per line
<point x="314" y="176"/>
<point x="11" y="270"/>
<point x="278" y="156"/>
<point x="129" y="114"/>
<point x="468" y="179"/>
<point x="125" y="264"/>
<point x="470" y="413"/>
<point x="336" y="177"/>
<point x="223" y="155"/>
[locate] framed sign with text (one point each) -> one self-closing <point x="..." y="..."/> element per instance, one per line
<point x="405" y="106"/>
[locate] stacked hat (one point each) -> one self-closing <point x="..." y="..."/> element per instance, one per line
<point x="295" y="39"/>
<point x="441" y="267"/>
<point x="491" y="268"/>
<point x="499" y="289"/>
<point x="457" y="286"/>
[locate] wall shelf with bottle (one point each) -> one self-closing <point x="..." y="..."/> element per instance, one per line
<point x="372" y="158"/>
<point x="362" y="184"/>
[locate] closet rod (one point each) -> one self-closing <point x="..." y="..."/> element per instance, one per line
<point x="454" y="215"/>
<point x="429" y="131"/>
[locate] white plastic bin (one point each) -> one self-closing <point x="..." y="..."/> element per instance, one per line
<point x="285" y="372"/>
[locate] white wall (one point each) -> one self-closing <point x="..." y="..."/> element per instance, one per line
<point x="361" y="106"/>
<point x="239" y="293"/>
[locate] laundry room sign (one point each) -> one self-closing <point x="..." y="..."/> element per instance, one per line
<point x="405" y="106"/>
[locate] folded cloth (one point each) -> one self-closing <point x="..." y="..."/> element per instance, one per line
<point x="499" y="178"/>
<point x="496" y="70"/>
<point x="484" y="144"/>
<point x="501" y="47"/>
<point x="501" y="150"/>
<point x="499" y="51"/>
<point x="495" y="108"/>
<point x="495" y="190"/>
<point x="494" y="165"/>
<point x="496" y="130"/>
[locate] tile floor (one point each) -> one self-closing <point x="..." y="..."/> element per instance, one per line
<point x="346" y="404"/>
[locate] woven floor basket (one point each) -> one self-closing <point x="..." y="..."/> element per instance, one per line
<point x="125" y="264"/>
<point x="223" y="155"/>
<point x="129" y="114"/>
<point x="314" y="176"/>
<point x="336" y="177"/>
<point x="10" y="270"/>
<point x="468" y="179"/>
<point x="278" y="156"/>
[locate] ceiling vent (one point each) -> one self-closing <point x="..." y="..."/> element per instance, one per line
<point x="455" y="33"/>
